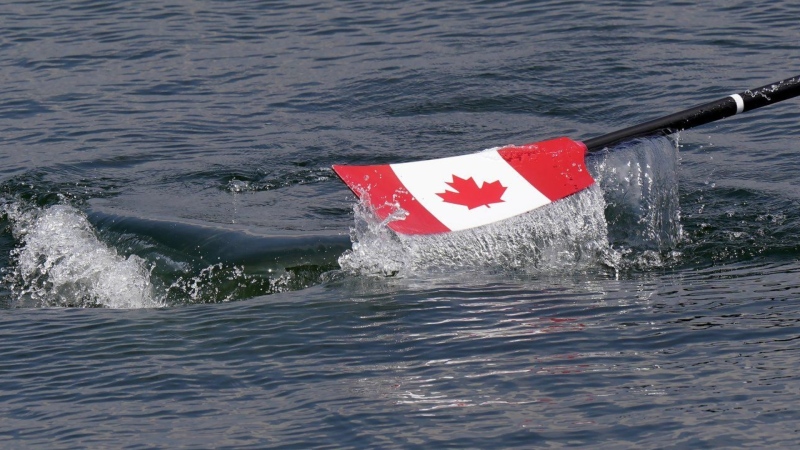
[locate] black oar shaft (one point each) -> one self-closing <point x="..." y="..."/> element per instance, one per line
<point x="702" y="114"/>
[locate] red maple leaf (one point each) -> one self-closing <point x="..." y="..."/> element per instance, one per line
<point x="468" y="193"/>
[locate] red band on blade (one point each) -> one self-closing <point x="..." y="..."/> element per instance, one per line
<point x="385" y="193"/>
<point x="555" y="167"/>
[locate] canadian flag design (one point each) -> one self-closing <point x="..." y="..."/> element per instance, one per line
<point x="461" y="192"/>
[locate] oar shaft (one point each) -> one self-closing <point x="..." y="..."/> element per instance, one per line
<point x="702" y="114"/>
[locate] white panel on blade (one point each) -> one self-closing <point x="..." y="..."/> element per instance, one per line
<point x="475" y="199"/>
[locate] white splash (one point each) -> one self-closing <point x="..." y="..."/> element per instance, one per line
<point x="566" y="235"/>
<point x="61" y="262"/>
<point x="629" y="218"/>
<point x="640" y="187"/>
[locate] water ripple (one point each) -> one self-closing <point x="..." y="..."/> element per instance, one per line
<point x="187" y="144"/>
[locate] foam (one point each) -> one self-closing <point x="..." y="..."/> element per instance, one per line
<point x="61" y="262"/>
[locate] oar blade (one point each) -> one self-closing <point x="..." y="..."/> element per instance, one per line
<point x="468" y="191"/>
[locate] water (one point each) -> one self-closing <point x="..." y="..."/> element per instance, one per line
<point x="182" y="269"/>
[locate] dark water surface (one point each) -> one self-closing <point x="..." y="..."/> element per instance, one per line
<point x="182" y="269"/>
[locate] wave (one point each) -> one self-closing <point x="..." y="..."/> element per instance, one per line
<point x="61" y="262"/>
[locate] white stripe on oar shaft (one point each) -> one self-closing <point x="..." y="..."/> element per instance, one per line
<point x="739" y="103"/>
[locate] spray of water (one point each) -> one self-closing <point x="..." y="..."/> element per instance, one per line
<point x="628" y="219"/>
<point x="640" y="187"/>
<point x="529" y="242"/>
<point x="61" y="262"/>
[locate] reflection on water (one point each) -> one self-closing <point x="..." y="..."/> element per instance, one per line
<point x="546" y="334"/>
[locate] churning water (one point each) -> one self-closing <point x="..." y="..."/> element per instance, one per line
<point x="181" y="268"/>
<point x="61" y="262"/>
<point x="630" y="218"/>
